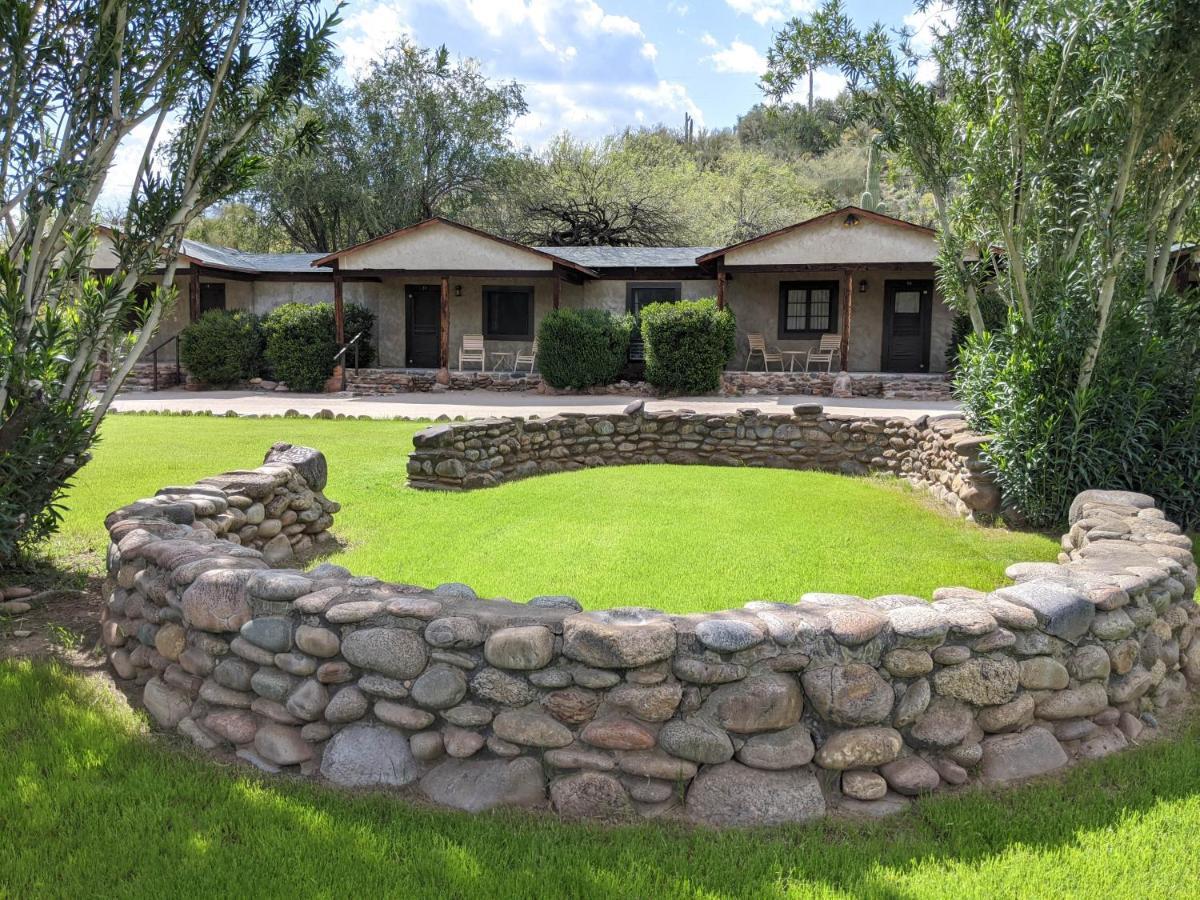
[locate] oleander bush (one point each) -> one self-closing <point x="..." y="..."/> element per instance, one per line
<point x="581" y="348"/>
<point x="688" y="345"/>
<point x="222" y="348"/>
<point x="301" y="345"/>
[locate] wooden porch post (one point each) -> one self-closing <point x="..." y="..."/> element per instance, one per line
<point x="557" y="286"/>
<point x="193" y="293"/>
<point x="444" y="329"/>
<point x="721" y="284"/>
<point x="339" y="311"/>
<point x="847" y="317"/>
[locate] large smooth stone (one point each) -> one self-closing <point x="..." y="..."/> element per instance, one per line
<point x="216" y="601"/>
<point x="531" y="728"/>
<point x="859" y="748"/>
<point x="785" y="749"/>
<point x="167" y="705"/>
<point x="310" y="463"/>
<point x="697" y="740"/>
<point x="622" y="638"/>
<point x="591" y="795"/>
<point x="440" y="687"/>
<point x="368" y="756"/>
<point x="853" y="694"/>
<point x="282" y="745"/>
<point x="733" y="794"/>
<point x="1009" y="757"/>
<point x="758" y="703"/>
<point x="272" y="633"/>
<point x="394" y="652"/>
<point x="1062" y="611"/>
<point x="525" y="647"/>
<point x="476" y="785"/>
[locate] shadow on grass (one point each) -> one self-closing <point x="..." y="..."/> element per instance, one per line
<point x="89" y="803"/>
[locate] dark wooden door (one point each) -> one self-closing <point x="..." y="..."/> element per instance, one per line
<point x="212" y="296"/>
<point x="907" y="321"/>
<point x="638" y="295"/>
<point x="423" y="322"/>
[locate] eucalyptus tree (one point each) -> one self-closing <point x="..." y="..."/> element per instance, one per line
<point x="1060" y="141"/>
<point x="183" y="89"/>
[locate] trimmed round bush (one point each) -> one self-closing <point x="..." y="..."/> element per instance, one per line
<point x="688" y="344"/>
<point x="301" y="345"/>
<point x="222" y="347"/>
<point x="580" y="348"/>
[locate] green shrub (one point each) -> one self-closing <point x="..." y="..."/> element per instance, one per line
<point x="301" y="345"/>
<point x="359" y="318"/>
<point x="223" y="347"/>
<point x="579" y="348"/>
<point x="688" y="345"/>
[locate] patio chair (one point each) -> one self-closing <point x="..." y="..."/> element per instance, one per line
<point x="472" y="351"/>
<point x="526" y="358"/>
<point x="758" y="344"/>
<point x="830" y="346"/>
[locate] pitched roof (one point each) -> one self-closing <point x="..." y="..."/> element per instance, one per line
<point x="816" y="220"/>
<point x="629" y="257"/>
<point x="440" y="220"/>
<point x="251" y="263"/>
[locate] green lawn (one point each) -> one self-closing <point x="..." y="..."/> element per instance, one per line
<point x="90" y="807"/>
<point x="678" y="538"/>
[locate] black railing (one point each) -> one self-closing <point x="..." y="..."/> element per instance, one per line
<point x="340" y="356"/>
<point x="154" y="362"/>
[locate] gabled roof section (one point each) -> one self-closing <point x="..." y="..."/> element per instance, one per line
<point x="233" y="260"/>
<point x="630" y="257"/>
<point x="845" y="211"/>
<point x="400" y="233"/>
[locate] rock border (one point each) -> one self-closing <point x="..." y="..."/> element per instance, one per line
<point x="770" y="714"/>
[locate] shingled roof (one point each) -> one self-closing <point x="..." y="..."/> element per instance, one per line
<point x="629" y="257"/>
<point x="250" y="263"/>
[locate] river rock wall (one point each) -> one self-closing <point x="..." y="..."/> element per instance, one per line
<point x="773" y="713"/>
<point x="940" y="454"/>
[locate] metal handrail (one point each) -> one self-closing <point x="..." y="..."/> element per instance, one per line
<point x="341" y="355"/>
<point x="154" y="361"/>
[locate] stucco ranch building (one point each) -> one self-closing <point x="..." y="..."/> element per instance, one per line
<point x="865" y="277"/>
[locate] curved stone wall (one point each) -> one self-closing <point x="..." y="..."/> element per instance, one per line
<point x="773" y="713"/>
<point x="940" y="454"/>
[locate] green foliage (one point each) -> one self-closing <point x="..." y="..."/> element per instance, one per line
<point x="223" y="348"/>
<point x="360" y="319"/>
<point x="1137" y="427"/>
<point x="301" y="344"/>
<point x="440" y="124"/>
<point x="688" y="345"/>
<point x="581" y="348"/>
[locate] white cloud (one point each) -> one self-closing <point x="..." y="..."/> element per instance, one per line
<point x="764" y="12"/>
<point x="649" y="51"/>
<point x="680" y="9"/>
<point x="924" y="27"/>
<point x="739" y="58"/>
<point x="708" y="40"/>
<point x="368" y="32"/>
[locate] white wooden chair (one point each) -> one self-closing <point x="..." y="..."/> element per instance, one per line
<point x="472" y="351"/>
<point x="758" y="344"/>
<point x="526" y="358"/>
<point x="830" y="346"/>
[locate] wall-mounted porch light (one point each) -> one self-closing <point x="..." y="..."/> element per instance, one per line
<point x="862" y="286"/>
<point x="458" y="290"/>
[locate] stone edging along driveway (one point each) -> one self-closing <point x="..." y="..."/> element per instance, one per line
<point x="773" y="713"/>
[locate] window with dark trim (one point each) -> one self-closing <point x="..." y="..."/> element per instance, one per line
<point x="212" y="296"/>
<point x="643" y="293"/>
<point x="508" y="313"/>
<point x="807" y="308"/>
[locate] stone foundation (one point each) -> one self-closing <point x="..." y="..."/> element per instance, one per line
<point x="774" y="713"/>
<point x="939" y="454"/>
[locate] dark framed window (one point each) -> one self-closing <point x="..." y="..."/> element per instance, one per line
<point x="643" y="293"/>
<point x="508" y="313"/>
<point x="807" y="308"/>
<point x="212" y="296"/>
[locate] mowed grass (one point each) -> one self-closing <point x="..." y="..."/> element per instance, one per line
<point x="674" y="537"/>
<point x="91" y="807"/>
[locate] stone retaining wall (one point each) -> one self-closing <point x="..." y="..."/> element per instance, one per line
<point x="940" y="454"/>
<point x="773" y="713"/>
<point x="820" y="384"/>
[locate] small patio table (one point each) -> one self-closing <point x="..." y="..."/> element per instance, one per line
<point x="502" y="359"/>
<point x="791" y="358"/>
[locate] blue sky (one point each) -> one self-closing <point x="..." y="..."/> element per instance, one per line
<point x="594" y="66"/>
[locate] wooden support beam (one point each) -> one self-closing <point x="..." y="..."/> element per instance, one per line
<point x="444" y="327"/>
<point x="557" y="286"/>
<point x="339" y="310"/>
<point x="847" y="317"/>
<point x="721" y="284"/>
<point x="193" y="294"/>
